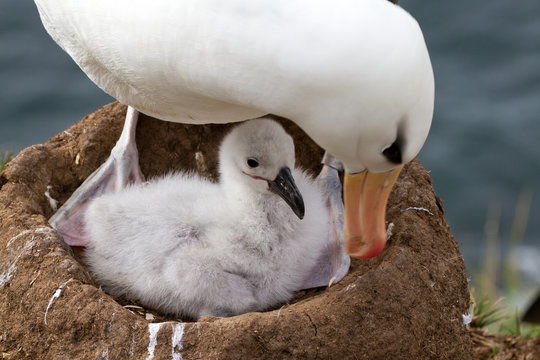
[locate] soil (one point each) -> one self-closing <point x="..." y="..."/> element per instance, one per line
<point x="499" y="347"/>
<point x="406" y="303"/>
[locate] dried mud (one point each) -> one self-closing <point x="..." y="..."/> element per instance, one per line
<point x="406" y="303"/>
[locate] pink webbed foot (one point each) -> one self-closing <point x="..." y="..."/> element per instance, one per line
<point x="333" y="264"/>
<point x="120" y="169"/>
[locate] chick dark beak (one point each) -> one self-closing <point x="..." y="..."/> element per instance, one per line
<point x="284" y="186"/>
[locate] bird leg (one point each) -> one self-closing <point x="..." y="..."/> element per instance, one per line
<point x="120" y="169"/>
<point x="333" y="263"/>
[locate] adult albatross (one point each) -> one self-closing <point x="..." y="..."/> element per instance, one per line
<point x="355" y="75"/>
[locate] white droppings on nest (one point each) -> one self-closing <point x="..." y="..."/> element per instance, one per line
<point x="178" y="334"/>
<point x="467" y="319"/>
<point x="149" y="317"/>
<point x="350" y="286"/>
<point x="176" y="339"/>
<point x="389" y="230"/>
<point x="78" y="159"/>
<point x="7" y="275"/>
<point x="153" y="329"/>
<point x="68" y="133"/>
<point x="53" y="203"/>
<point x="418" y="209"/>
<point x="55" y="296"/>
<point x="41" y="230"/>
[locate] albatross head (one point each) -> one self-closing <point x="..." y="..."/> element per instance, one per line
<point x="369" y="181"/>
<point x="372" y="110"/>
<point x="376" y="132"/>
<point x="259" y="155"/>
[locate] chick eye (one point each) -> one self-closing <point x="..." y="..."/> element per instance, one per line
<point x="252" y="163"/>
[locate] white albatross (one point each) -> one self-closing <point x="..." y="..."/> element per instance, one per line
<point x="355" y="75"/>
<point x="185" y="246"/>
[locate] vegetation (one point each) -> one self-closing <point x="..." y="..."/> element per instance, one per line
<point x="496" y="328"/>
<point x="5" y="157"/>
<point x="488" y="313"/>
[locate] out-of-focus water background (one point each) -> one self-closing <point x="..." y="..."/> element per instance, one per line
<point x="483" y="151"/>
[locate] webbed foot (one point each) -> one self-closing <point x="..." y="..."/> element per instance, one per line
<point x="333" y="264"/>
<point x="120" y="169"/>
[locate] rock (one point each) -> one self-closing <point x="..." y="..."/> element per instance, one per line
<point x="406" y="303"/>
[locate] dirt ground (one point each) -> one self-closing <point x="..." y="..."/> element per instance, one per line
<point x="487" y="346"/>
<point x="407" y="303"/>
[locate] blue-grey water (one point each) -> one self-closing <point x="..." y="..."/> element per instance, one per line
<point x="484" y="147"/>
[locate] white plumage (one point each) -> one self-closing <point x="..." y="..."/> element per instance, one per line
<point x="183" y="245"/>
<point x="346" y="72"/>
<point x="355" y="75"/>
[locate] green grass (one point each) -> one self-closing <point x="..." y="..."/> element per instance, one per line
<point x="495" y="316"/>
<point x="5" y="157"/>
<point x="486" y="312"/>
<point x="498" y="283"/>
<point x="501" y="272"/>
<point x="514" y="326"/>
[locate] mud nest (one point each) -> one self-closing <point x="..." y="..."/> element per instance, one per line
<point x="406" y="303"/>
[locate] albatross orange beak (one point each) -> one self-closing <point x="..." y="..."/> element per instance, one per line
<point x="366" y="195"/>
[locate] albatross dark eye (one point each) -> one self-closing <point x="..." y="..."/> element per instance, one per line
<point x="393" y="153"/>
<point x="252" y="163"/>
